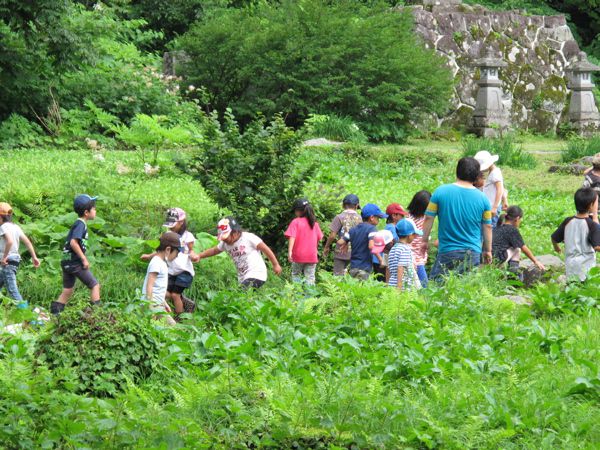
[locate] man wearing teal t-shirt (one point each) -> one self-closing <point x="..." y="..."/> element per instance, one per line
<point x="461" y="210"/>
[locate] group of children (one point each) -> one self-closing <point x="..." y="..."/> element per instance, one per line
<point x="395" y="254"/>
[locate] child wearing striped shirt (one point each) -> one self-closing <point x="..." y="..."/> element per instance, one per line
<point x="402" y="273"/>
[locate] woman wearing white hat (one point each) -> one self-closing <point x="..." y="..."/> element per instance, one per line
<point x="494" y="184"/>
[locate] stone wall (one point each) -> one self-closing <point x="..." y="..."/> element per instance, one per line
<point x="536" y="48"/>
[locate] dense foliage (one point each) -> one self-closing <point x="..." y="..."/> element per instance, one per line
<point x="318" y="57"/>
<point x="358" y="364"/>
<point x="103" y="349"/>
<point x="56" y="55"/>
<point x="253" y="174"/>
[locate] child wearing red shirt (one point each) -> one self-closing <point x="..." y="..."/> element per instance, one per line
<point x="303" y="235"/>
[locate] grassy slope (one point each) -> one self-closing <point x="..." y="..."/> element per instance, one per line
<point x="456" y="368"/>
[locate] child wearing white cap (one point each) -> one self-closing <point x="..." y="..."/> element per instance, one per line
<point x="245" y="249"/>
<point x="493" y="187"/>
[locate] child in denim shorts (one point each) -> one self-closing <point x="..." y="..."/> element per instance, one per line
<point x="11" y="235"/>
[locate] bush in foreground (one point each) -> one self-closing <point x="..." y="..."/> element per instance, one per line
<point x="103" y="348"/>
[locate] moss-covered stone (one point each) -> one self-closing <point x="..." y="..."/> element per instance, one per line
<point x="554" y="89"/>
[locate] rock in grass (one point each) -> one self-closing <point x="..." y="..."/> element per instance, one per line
<point x="551" y="262"/>
<point x="532" y="274"/>
<point x="517" y="299"/>
<point x="320" y="142"/>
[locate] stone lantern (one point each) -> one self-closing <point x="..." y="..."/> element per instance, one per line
<point x="583" y="112"/>
<point x="490" y="116"/>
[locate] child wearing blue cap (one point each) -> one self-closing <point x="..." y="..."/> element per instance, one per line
<point x="402" y="273"/>
<point x="361" y="237"/>
<point x="75" y="265"/>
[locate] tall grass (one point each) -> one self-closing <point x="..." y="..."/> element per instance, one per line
<point x="578" y="148"/>
<point x="337" y="128"/>
<point x="511" y="154"/>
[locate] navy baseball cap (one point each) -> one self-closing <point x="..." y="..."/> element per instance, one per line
<point x="351" y="199"/>
<point x="83" y="202"/>
<point x="371" y="209"/>
<point x="406" y="227"/>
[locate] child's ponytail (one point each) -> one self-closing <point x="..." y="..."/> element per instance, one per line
<point x="306" y="209"/>
<point x="512" y="213"/>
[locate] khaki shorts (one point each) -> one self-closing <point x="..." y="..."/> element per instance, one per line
<point x="339" y="266"/>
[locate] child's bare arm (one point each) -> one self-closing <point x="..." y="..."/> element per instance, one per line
<point x="29" y="245"/>
<point x="213" y="251"/>
<point x="147" y="256"/>
<point x="557" y="248"/>
<point x="400" y="276"/>
<point x="267" y="251"/>
<point x="191" y="253"/>
<point x="291" y="242"/>
<point x="531" y="256"/>
<point x="77" y="250"/>
<point x="330" y="239"/>
<point x="499" y="195"/>
<point x="150" y="284"/>
<point x="379" y="259"/>
<point x="7" y="246"/>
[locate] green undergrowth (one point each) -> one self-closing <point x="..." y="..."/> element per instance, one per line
<point x="347" y="365"/>
<point x="359" y="365"/>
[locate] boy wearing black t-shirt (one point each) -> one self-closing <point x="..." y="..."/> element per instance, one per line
<point x="75" y="264"/>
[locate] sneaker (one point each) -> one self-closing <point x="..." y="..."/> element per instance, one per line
<point x="189" y="306"/>
<point x="22" y="305"/>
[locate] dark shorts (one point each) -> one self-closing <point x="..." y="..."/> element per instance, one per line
<point x="72" y="271"/>
<point x="252" y="283"/>
<point x="178" y="283"/>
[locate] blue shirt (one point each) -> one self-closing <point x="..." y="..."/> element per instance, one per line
<point x="461" y="212"/>
<point x="360" y="236"/>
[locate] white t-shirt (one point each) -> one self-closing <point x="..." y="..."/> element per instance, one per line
<point x="246" y="257"/>
<point x="183" y="263"/>
<point x="16" y="233"/>
<point x="489" y="189"/>
<point x="159" y="290"/>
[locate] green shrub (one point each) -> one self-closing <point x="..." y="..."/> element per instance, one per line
<point x="511" y="154"/>
<point x="353" y="60"/>
<point x="578" y="148"/>
<point x="100" y="349"/>
<point x="252" y="174"/>
<point x="17" y="131"/>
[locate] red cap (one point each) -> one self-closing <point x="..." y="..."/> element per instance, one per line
<point x="395" y="208"/>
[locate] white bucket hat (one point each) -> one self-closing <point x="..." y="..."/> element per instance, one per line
<point x="485" y="159"/>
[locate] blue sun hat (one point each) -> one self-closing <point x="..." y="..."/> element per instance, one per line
<point x="371" y="209"/>
<point x="406" y="227"/>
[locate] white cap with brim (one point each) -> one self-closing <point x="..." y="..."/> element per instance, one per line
<point x="485" y="159"/>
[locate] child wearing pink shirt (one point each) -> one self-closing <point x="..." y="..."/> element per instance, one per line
<point x="303" y="235"/>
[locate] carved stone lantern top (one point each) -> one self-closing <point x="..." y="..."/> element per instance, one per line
<point x="490" y="60"/>
<point x="582" y="65"/>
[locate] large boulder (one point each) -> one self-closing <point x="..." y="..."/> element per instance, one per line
<point x="532" y="274"/>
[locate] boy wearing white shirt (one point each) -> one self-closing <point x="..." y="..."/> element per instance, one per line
<point x="157" y="276"/>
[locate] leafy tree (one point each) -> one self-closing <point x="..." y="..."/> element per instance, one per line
<point x="252" y="174"/>
<point x="316" y="56"/>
